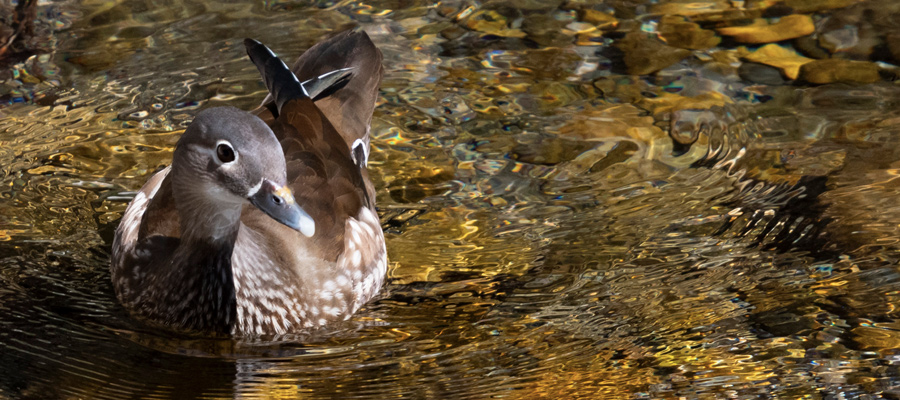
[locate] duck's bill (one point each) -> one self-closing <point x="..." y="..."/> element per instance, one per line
<point x="278" y="202"/>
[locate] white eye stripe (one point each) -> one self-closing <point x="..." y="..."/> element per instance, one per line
<point x="255" y="189"/>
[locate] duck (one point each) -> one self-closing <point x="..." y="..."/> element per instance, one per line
<point x="265" y="222"/>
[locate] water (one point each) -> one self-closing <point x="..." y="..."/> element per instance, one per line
<point x="555" y="227"/>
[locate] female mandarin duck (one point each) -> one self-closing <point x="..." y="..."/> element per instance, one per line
<point x="265" y="222"/>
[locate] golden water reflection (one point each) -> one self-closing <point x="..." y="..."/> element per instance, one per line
<point x="562" y="222"/>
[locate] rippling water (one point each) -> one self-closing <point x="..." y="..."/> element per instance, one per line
<point x="556" y="228"/>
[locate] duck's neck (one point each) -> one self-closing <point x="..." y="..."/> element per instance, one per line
<point x="207" y="213"/>
<point x="202" y="292"/>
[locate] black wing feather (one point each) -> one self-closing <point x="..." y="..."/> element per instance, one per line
<point x="280" y="81"/>
<point x="284" y="85"/>
<point x="327" y="84"/>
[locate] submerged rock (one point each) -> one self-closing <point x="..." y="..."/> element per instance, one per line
<point x="786" y="60"/>
<point x="893" y="45"/>
<point x="809" y="6"/>
<point x="598" y="18"/>
<point x="679" y="32"/>
<point x="668" y="102"/>
<point x="546" y="30"/>
<point x="691" y="9"/>
<point x="490" y="22"/>
<point x="18" y="35"/>
<point x="852" y="32"/>
<point x="646" y="55"/>
<point x="809" y="46"/>
<point x="761" y="31"/>
<point x="760" y="73"/>
<point x="836" y="70"/>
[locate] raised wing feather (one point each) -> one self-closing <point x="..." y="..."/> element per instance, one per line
<point x="349" y="108"/>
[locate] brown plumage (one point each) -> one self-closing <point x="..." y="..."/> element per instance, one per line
<point x="191" y="252"/>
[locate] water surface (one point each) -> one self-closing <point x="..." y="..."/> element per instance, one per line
<point x="556" y="227"/>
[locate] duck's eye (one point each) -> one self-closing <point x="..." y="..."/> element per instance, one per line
<point x="225" y="153"/>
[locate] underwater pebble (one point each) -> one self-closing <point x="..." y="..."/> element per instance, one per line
<point x="760" y="73"/>
<point x="679" y="32"/>
<point x="810" y="6"/>
<point x="893" y="45"/>
<point x="545" y="30"/>
<point x="809" y="46"/>
<point x="645" y="54"/>
<point x="789" y="27"/>
<point x="837" y="70"/>
<point x="598" y="18"/>
<point x="490" y="22"/>
<point x="785" y="59"/>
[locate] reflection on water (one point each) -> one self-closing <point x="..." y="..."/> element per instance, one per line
<point x="556" y="227"/>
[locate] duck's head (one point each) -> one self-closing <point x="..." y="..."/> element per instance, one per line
<point x="227" y="157"/>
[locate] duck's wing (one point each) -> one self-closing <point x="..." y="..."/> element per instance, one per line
<point x="349" y="107"/>
<point x="149" y="229"/>
<point x="343" y="264"/>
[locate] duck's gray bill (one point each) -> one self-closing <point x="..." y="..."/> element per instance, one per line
<point x="278" y="202"/>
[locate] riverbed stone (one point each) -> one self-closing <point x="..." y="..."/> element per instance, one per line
<point x="693" y="8"/>
<point x="760" y="73"/>
<point x="838" y="70"/>
<point x="645" y="54"/>
<point x="490" y="22"/>
<point x="546" y="31"/>
<point x="786" y="60"/>
<point x="679" y="32"/>
<point x="893" y="45"/>
<point x="811" y="6"/>
<point x="761" y="31"/>
<point x="598" y="18"/>
<point x="809" y="47"/>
